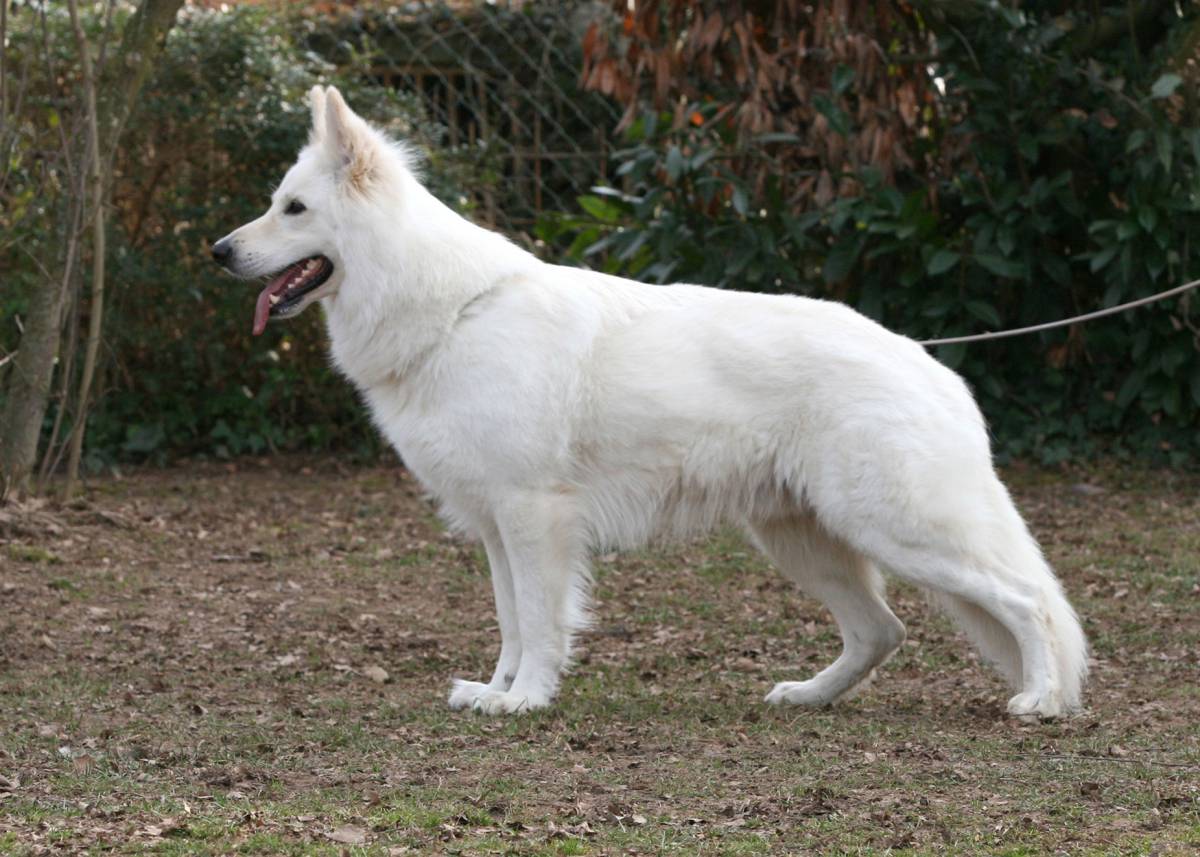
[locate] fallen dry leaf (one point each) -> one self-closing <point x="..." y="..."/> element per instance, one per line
<point x="348" y="835"/>
<point x="165" y="827"/>
<point x="376" y="674"/>
<point x="83" y="763"/>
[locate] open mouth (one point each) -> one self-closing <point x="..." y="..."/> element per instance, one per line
<point x="286" y="293"/>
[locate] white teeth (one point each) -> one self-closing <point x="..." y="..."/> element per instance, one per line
<point x="274" y="299"/>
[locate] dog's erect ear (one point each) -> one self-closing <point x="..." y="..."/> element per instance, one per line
<point x="349" y="142"/>
<point x="316" y="100"/>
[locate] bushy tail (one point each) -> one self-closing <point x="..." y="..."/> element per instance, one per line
<point x="997" y="643"/>
<point x="1070" y="643"/>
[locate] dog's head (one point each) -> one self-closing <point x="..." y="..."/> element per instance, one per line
<point x="295" y="243"/>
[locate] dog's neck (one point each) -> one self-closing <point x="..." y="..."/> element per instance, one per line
<point x="411" y="269"/>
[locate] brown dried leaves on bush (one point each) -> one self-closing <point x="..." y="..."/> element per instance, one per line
<point x="780" y="68"/>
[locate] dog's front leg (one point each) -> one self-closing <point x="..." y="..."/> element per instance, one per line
<point x="466" y="692"/>
<point x="545" y="560"/>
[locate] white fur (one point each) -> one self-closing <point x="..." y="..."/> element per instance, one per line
<point x="555" y="411"/>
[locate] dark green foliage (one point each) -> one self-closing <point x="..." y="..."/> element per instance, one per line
<point x="1060" y="173"/>
<point x="217" y="127"/>
<point x="222" y="122"/>
<point x="1052" y="184"/>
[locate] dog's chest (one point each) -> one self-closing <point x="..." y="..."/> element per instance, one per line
<point x="433" y="443"/>
<point x="467" y="438"/>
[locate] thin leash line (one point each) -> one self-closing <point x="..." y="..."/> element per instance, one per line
<point x="1050" y="325"/>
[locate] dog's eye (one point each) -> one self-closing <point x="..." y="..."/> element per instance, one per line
<point x="295" y="207"/>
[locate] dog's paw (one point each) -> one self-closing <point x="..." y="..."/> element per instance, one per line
<point x="1032" y="706"/>
<point x="798" y="693"/>
<point x="464" y="693"/>
<point x="495" y="702"/>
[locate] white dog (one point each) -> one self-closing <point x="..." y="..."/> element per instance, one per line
<point x="555" y="411"/>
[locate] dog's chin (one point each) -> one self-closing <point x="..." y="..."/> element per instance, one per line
<point x="290" y="292"/>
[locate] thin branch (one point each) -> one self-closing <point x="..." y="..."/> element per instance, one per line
<point x="3" y="63"/>
<point x="36" y="262"/>
<point x="105" y="39"/>
<point x="70" y="295"/>
<point x="10" y="132"/>
<point x="95" y="317"/>
<point x="53" y="454"/>
<point x="52" y="75"/>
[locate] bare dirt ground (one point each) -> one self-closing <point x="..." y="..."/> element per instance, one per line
<point x="254" y="658"/>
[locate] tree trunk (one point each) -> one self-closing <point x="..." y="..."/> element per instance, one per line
<point x="32" y="368"/>
<point x="30" y="375"/>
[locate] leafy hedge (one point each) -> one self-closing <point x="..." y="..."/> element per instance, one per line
<point x="1049" y="185"/>
<point x="218" y="125"/>
<point x="1045" y="181"/>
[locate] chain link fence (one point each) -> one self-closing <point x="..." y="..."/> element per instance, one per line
<point x="502" y="79"/>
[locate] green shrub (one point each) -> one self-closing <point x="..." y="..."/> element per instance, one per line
<point x="219" y="124"/>
<point x="1052" y="186"/>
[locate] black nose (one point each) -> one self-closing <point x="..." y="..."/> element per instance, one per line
<point x="222" y="251"/>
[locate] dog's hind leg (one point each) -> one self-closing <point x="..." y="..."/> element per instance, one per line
<point x="1005" y="585"/>
<point x="978" y="556"/>
<point x="464" y="693"/>
<point x="547" y="559"/>
<point x="851" y="587"/>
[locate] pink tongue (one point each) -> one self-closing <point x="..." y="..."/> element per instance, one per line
<point x="262" y="309"/>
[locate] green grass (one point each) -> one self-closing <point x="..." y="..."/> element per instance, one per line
<point x="224" y="710"/>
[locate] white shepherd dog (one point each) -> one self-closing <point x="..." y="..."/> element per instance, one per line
<point x="554" y="412"/>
